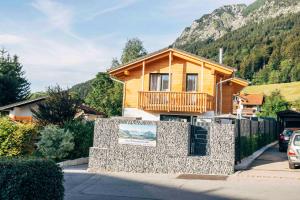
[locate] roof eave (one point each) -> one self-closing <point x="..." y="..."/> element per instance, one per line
<point x="230" y="70"/>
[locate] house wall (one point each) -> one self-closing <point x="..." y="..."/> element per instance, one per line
<point x="171" y="153"/>
<point x="23" y="111"/>
<point x="179" y="69"/>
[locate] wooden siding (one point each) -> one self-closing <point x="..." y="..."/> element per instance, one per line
<point x="137" y="78"/>
<point x="179" y="69"/>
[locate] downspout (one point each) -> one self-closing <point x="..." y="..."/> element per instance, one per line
<point x="123" y="96"/>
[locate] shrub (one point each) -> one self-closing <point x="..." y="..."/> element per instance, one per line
<point x="16" y="139"/>
<point x="55" y="142"/>
<point x="83" y="133"/>
<point x="30" y="179"/>
<point x="58" y="108"/>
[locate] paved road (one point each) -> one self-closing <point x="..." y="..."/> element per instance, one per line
<point x="268" y="178"/>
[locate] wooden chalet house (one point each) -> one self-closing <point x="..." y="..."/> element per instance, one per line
<point x="174" y="85"/>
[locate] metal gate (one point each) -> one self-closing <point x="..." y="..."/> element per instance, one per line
<point x="199" y="141"/>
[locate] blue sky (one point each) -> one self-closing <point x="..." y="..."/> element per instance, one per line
<point x="68" y="41"/>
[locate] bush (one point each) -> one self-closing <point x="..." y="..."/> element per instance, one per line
<point x="55" y="142"/>
<point x="30" y="179"/>
<point x="83" y="133"/>
<point x="16" y="139"/>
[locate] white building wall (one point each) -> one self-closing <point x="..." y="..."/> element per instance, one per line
<point x="137" y="113"/>
<point x="23" y="111"/>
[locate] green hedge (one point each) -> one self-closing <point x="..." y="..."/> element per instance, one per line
<point x="251" y="144"/>
<point x="16" y="139"/>
<point x="83" y="133"/>
<point x="34" y="179"/>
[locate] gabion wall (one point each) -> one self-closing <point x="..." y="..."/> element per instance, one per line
<point x="171" y="154"/>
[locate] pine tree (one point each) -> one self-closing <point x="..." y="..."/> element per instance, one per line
<point x="13" y="84"/>
<point x="58" y="108"/>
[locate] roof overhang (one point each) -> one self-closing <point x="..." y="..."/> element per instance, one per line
<point x="21" y="103"/>
<point x="240" y="81"/>
<point x="177" y="53"/>
<point x="288" y="114"/>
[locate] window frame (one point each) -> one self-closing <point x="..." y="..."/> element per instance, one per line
<point x="186" y="81"/>
<point x="160" y="75"/>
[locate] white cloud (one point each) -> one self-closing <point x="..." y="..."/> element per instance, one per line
<point x="10" y="39"/>
<point x="122" y="4"/>
<point x="59" y="16"/>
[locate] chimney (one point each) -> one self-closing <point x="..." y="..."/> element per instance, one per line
<point x="221" y="55"/>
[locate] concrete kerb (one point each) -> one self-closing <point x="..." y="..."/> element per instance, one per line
<point x="246" y="162"/>
<point x="79" y="161"/>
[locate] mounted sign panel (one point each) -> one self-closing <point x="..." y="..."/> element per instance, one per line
<point x="134" y="134"/>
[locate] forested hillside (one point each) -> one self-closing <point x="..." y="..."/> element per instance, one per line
<point x="82" y="89"/>
<point x="265" y="52"/>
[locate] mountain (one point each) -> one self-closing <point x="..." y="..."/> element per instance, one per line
<point x="82" y="89"/>
<point x="232" y="17"/>
<point x="261" y="40"/>
<point x="264" y="51"/>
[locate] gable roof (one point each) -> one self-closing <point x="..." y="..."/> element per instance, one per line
<point x="88" y="110"/>
<point x="165" y="50"/>
<point x="21" y="103"/>
<point x="252" y="99"/>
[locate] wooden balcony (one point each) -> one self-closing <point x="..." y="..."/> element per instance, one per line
<point x="175" y="101"/>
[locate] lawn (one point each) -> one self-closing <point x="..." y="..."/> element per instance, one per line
<point x="290" y="91"/>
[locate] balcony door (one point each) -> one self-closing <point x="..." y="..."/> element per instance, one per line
<point x="191" y="86"/>
<point x="191" y="82"/>
<point x="159" y="82"/>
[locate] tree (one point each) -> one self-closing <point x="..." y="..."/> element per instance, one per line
<point x="133" y="49"/>
<point x="115" y="63"/>
<point x="273" y="104"/>
<point x="55" y="142"/>
<point x="13" y="84"/>
<point x="58" y="108"/>
<point x="296" y="104"/>
<point x="106" y="95"/>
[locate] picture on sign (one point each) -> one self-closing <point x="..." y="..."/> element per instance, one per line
<point x="134" y="134"/>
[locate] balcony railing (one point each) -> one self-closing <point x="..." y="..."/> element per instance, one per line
<point x="175" y="101"/>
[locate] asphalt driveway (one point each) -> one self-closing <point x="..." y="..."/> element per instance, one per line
<point x="268" y="178"/>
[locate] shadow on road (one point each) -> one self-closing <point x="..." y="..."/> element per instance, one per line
<point x="103" y="186"/>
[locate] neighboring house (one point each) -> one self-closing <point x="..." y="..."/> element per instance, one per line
<point x="21" y="111"/>
<point x="171" y="84"/>
<point x="88" y="113"/>
<point x="247" y="105"/>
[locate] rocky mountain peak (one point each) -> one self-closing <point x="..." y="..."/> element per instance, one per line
<point x="231" y="17"/>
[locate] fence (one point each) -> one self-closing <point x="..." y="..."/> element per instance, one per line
<point x="251" y="135"/>
<point x="213" y="151"/>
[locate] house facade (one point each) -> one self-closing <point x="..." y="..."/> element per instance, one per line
<point x="247" y="105"/>
<point x="173" y="85"/>
<point x="21" y="111"/>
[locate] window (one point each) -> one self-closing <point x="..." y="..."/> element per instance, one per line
<point x="297" y="140"/>
<point x="159" y="82"/>
<point x="191" y="82"/>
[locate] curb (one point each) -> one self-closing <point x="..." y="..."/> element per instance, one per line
<point x="246" y="162"/>
<point x="74" y="162"/>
